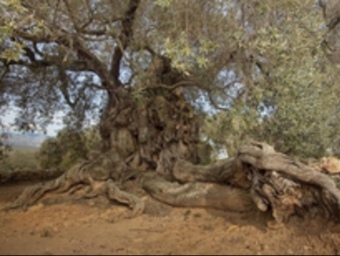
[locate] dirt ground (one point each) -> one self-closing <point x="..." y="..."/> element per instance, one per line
<point x="97" y="228"/>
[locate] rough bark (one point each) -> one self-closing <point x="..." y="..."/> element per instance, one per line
<point x="93" y="178"/>
<point x="199" y="194"/>
<point x="273" y="181"/>
<point x="154" y="134"/>
<point x="258" y="177"/>
<point x="137" y="138"/>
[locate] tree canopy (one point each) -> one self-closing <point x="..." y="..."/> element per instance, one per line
<point x="256" y="69"/>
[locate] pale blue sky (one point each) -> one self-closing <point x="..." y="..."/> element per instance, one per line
<point x="51" y="130"/>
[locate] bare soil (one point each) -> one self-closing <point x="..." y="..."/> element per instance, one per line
<point x="97" y="228"/>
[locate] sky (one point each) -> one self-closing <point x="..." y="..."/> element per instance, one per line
<point x="51" y="130"/>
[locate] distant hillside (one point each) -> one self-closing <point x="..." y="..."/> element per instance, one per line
<point x="23" y="140"/>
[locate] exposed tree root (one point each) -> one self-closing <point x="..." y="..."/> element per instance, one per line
<point x="111" y="190"/>
<point x="94" y="177"/>
<point x="273" y="181"/>
<point x="199" y="194"/>
<point x="258" y="177"/>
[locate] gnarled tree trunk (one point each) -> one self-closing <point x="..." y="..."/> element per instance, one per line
<point x="153" y="136"/>
<point x="136" y="138"/>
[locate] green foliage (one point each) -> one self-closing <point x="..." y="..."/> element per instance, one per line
<point x="72" y="146"/>
<point x="4" y="147"/>
<point x="49" y="155"/>
<point x="271" y="65"/>
<point x="69" y="147"/>
<point x="229" y="130"/>
<point x="184" y="57"/>
<point x="63" y="151"/>
<point x="291" y="97"/>
<point x="164" y="3"/>
<point x="92" y="139"/>
<point x="10" y="10"/>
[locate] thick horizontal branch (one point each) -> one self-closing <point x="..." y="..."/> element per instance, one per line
<point x="262" y="157"/>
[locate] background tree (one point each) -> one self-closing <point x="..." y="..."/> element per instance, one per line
<point x="49" y="155"/>
<point x="68" y="148"/>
